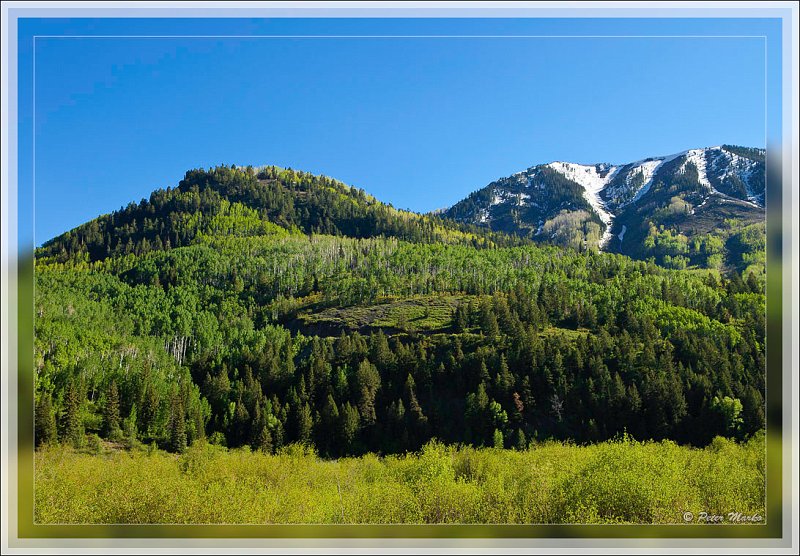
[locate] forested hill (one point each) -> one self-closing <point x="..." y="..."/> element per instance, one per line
<point x="267" y="307"/>
<point x="250" y="202"/>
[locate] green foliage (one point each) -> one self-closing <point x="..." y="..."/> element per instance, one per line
<point x="304" y="424"/>
<point x="111" y="422"/>
<point x="576" y="229"/>
<point x="620" y="481"/>
<point x="264" y="440"/>
<point x="93" y="444"/>
<point x="520" y="443"/>
<point x="45" y="421"/>
<point x="498" y="438"/>
<point x="293" y="319"/>
<point x="729" y="410"/>
<point x="131" y="430"/>
<point x="732" y="246"/>
<point x="72" y="427"/>
<point x="177" y="426"/>
<point x="217" y="439"/>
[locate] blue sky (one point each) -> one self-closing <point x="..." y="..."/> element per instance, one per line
<point x="418" y="122"/>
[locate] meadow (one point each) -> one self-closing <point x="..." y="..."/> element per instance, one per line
<point x="617" y="481"/>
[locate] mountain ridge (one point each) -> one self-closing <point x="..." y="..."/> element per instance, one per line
<point x="589" y="205"/>
<point x="673" y="209"/>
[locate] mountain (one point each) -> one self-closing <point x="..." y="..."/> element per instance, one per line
<point x="638" y="209"/>
<point x="264" y="307"/>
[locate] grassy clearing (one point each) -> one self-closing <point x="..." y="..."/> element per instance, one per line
<point x="413" y="314"/>
<point x="421" y="314"/>
<point x="611" y="482"/>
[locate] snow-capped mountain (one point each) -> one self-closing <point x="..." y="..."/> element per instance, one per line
<point x="573" y="203"/>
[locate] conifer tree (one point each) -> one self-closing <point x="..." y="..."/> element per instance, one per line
<point x="304" y="424"/>
<point x="264" y="440"/>
<point x="348" y="426"/>
<point x="72" y="421"/>
<point x="111" y="424"/>
<point x="520" y="443"/>
<point x="177" y="425"/>
<point x="45" y="421"/>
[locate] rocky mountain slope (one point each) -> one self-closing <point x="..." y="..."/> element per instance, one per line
<point x="693" y="193"/>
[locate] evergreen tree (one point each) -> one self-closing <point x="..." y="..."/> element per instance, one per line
<point x="177" y="425"/>
<point x="460" y="319"/>
<point x="241" y="423"/>
<point x="73" y="431"/>
<point x="520" y="443"/>
<point x="264" y="440"/>
<point x="131" y="432"/>
<point x="418" y="422"/>
<point x="304" y="424"/>
<point x="329" y="421"/>
<point x="45" y="421"/>
<point x="497" y="438"/>
<point x="149" y="408"/>
<point x="367" y="381"/>
<point x="111" y="426"/>
<point x="348" y="426"/>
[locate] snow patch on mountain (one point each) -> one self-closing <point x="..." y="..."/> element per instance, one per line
<point x="725" y="164"/>
<point x="593" y="181"/>
<point x="501" y="197"/>
<point x="648" y="170"/>
<point x="522" y="198"/>
<point x="698" y="158"/>
<point x="634" y="180"/>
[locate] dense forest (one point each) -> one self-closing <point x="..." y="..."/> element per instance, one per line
<point x="265" y="307"/>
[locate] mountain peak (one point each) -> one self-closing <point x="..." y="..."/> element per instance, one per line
<point x="594" y="196"/>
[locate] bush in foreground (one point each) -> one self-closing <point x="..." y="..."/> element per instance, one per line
<point x="619" y="481"/>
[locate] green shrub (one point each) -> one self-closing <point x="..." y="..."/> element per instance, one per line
<point x="621" y="481"/>
<point x="93" y="444"/>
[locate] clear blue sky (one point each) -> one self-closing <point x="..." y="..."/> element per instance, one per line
<point x="418" y="122"/>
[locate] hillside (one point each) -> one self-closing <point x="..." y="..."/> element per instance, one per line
<point x="251" y="202"/>
<point x="268" y="307"/>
